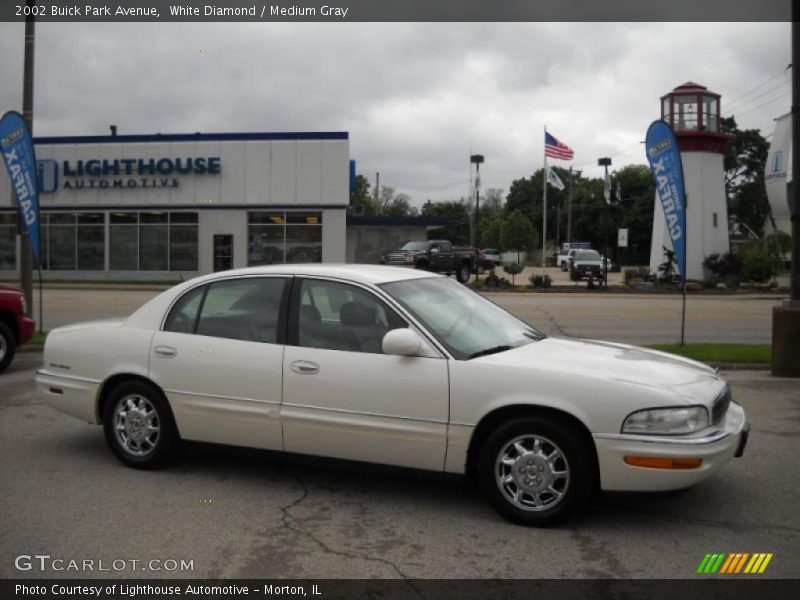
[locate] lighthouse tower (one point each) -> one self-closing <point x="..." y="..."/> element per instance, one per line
<point x="693" y="113"/>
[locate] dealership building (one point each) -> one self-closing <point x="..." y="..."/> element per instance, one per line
<point x="162" y="207"/>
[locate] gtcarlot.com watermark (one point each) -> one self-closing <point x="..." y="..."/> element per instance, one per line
<point x="46" y="563"/>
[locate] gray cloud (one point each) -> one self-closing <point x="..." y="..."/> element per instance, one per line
<point x="417" y="98"/>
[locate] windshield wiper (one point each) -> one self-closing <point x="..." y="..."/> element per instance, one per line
<point x="488" y="351"/>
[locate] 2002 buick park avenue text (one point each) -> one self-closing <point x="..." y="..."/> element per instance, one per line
<point x="395" y="366"/>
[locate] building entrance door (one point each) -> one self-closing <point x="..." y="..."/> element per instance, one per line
<point x="223" y="252"/>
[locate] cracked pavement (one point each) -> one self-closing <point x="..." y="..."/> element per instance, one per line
<point x="243" y="513"/>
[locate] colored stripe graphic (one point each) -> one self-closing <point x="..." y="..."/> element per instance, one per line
<point x="734" y="563"/>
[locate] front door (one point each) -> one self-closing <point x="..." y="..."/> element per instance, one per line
<point x="223" y="252"/>
<point x="343" y="397"/>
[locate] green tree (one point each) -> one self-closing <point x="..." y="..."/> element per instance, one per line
<point x="458" y="231"/>
<point x="745" y="162"/>
<point x="634" y="212"/>
<point x="360" y="197"/>
<point x="399" y="206"/>
<point x="525" y="195"/>
<point x="492" y="202"/>
<point x="492" y="234"/>
<point x="518" y="233"/>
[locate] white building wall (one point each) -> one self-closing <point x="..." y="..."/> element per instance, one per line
<point x="705" y="196"/>
<point x="255" y="174"/>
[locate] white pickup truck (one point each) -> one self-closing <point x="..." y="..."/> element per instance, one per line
<point x="562" y="260"/>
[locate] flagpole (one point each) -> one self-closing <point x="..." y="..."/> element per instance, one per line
<point x="544" y="199"/>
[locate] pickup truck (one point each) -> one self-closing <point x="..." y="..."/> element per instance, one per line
<point x="585" y="264"/>
<point x="15" y="327"/>
<point x="562" y="259"/>
<point x="438" y="256"/>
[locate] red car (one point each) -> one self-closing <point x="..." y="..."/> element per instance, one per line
<point x="15" y="327"/>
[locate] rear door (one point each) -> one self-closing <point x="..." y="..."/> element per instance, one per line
<point x="219" y="359"/>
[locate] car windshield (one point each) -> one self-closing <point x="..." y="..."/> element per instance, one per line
<point x="467" y="324"/>
<point x="415" y="246"/>
<point x="587" y="255"/>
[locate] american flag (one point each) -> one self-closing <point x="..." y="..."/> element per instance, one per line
<point x="555" y="149"/>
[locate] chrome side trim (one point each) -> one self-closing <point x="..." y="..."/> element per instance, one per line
<point x="47" y="373"/>
<point x="364" y="414"/>
<point x="216" y="397"/>
<point x="650" y="439"/>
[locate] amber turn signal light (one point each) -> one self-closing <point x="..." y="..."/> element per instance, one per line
<point x="654" y="462"/>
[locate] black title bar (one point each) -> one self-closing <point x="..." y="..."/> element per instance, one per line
<point x="398" y="10"/>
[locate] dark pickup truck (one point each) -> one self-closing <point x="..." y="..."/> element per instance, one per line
<point x="438" y="256"/>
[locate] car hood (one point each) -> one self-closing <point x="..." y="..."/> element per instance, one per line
<point x="9" y="288"/>
<point x="576" y="358"/>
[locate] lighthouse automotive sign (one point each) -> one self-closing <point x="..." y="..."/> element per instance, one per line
<point x="665" y="164"/>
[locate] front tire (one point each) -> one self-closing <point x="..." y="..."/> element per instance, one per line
<point x="536" y="471"/>
<point x="8" y="346"/>
<point x="139" y="426"/>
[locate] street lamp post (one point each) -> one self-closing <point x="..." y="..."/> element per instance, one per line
<point x="477" y="159"/>
<point x="605" y="162"/>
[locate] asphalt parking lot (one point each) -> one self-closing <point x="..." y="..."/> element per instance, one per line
<point x="237" y="513"/>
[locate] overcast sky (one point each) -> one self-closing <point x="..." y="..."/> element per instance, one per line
<point x="416" y="98"/>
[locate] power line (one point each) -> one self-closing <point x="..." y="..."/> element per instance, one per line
<point x="754" y="98"/>
<point x="765" y="103"/>
<point x="760" y="85"/>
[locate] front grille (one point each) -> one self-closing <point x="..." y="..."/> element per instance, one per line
<point x="396" y="259"/>
<point x="720" y="408"/>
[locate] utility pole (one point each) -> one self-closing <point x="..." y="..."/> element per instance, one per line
<point x="477" y="159"/>
<point x="26" y="254"/>
<point x="786" y="317"/>
<point x="377" y="189"/>
<point x="605" y="163"/>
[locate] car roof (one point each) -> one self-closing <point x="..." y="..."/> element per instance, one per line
<point x="352" y="272"/>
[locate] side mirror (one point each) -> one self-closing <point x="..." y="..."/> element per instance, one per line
<point x="402" y="342"/>
<point x="434" y="250"/>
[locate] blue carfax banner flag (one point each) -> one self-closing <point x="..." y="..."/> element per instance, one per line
<point x="665" y="164"/>
<point x="17" y="148"/>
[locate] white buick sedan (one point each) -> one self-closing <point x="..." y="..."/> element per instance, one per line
<point x="394" y="366"/>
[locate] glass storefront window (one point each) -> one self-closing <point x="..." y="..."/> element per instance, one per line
<point x="154" y="241"/>
<point x="286" y="237"/>
<point x="8" y="241"/>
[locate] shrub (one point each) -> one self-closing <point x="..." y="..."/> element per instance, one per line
<point x="541" y="281"/>
<point x="725" y="267"/>
<point x="631" y="274"/>
<point x="761" y="264"/>
<point x="667" y="268"/>
<point x="513" y="269"/>
<point x="711" y="283"/>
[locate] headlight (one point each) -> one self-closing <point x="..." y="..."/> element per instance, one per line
<point x="667" y="421"/>
<point x="410" y="260"/>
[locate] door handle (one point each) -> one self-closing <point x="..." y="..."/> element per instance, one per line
<point x="304" y="367"/>
<point x="165" y="351"/>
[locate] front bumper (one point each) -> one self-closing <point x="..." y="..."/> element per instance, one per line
<point x="26" y="328"/>
<point x="715" y="449"/>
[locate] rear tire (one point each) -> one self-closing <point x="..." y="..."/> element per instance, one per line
<point x="537" y="471"/>
<point x="8" y="346"/>
<point x="139" y="426"/>
<point x="463" y="273"/>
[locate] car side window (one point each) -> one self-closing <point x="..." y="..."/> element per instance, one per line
<point x="242" y="309"/>
<point x="337" y="316"/>
<point x="183" y="316"/>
